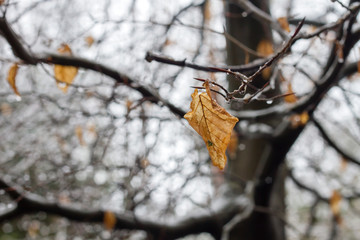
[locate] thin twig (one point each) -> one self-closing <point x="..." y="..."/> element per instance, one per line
<point x="280" y="216"/>
<point x="343" y="5"/>
<point x="330" y="26"/>
<point x="214" y="83"/>
<point x="249" y="98"/>
<point x="245" y="81"/>
<point x="279" y="54"/>
<point x="275" y="97"/>
<point x="213" y="90"/>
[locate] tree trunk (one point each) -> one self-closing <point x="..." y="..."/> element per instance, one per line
<point x="259" y="156"/>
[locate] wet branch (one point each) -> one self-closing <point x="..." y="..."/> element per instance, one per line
<point x="26" y="203"/>
<point x="246" y="68"/>
<point x="28" y="58"/>
<point x="333" y="144"/>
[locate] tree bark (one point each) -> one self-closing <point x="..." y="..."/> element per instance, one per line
<point x="255" y="160"/>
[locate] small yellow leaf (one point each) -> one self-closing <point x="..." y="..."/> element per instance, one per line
<point x="212" y="76"/>
<point x="213" y="123"/>
<point x="290" y="98"/>
<point x="62" y="143"/>
<point x="109" y="220"/>
<point x="334" y="202"/>
<point x="64" y="199"/>
<point x="284" y="24"/>
<point x="89" y="41"/>
<point x="144" y="163"/>
<point x="298" y="120"/>
<point x="5" y="109"/>
<point x="233" y="144"/>
<point x="64" y="49"/>
<point x="89" y="94"/>
<point x="207" y="12"/>
<point x="33" y="229"/>
<point x="247" y="58"/>
<point x="92" y="130"/>
<point x="339" y="50"/>
<point x="339" y="220"/>
<point x="344" y="163"/>
<point x="312" y="29"/>
<point x="282" y="78"/>
<point x="265" y="48"/>
<point x="304" y="118"/>
<point x="79" y="135"/>
<point x="12" y="77"/>
<point x="64" y="75"/>
<point x="128" y="105"/>
<point x="169" y="42"/>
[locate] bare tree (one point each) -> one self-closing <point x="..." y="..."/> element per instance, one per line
<point x="94" y="145"/>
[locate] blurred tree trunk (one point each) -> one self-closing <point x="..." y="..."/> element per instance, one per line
<point x="259" y="156"/>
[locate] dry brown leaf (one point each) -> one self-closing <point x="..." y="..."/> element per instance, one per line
<point x="339" y="50"/>
<point x="284" y="24"/>
<point x="212" y="77"/>
<point x="213" y="123"/>
<point x="265" y="48"/>
<point x="79" y="135"/>
<point x="233" y="144"/>
<point x="212" y="56"/>
<point x="89" y="41"/>
<point x="128" y="105"/>
<point x="312" y="29"/>
<point x="344" y="163"/>
<point x="12" y="77"/>
<point x="89" y="94"/>
<point x="92" y="129"/>
<point x="282" y="78"/>
<point x="33" y="229"/>
<point x="144" y="163"/>
<point x="247" y="58"/>
<point x="207" y="12"/>
<point x="2" y="2"/>
<point x="169" y="42"/>
<point x="109" y="220"/>
<point x="64" y="198"/>
<point x="298" y="120"/>
<point x="64" y="74"/>
<point x="304" y="118"/>
<point x="62" y="143"/>
<point x="5" y="109"/>
<point x="334" y="202"/>
<point x="339" y="220"/>
<point x="290" y="98"/>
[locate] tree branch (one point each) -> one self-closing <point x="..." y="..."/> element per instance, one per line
<point x="246" y="68"/>
<point x="17" y="47"/>
<point x="310" y="102"/>
<point x="211" y="223"/>
<point x="31" y="59"/>
<point x="333" y="144"/>
<point x="303" y="186"/>
<point x="353" y="12"/>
